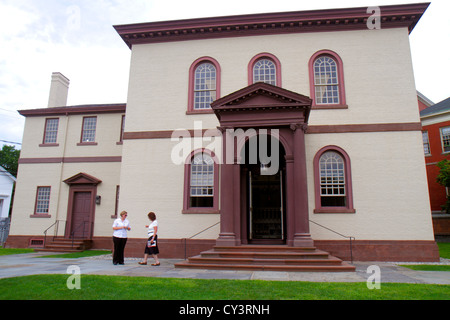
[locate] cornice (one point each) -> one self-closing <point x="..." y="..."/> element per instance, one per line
<point x="394" y="16"/>
<point x="72" y="110"/>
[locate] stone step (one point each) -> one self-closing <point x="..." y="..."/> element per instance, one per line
<point x="66" y="245"/>
<point x="267" y="257"/>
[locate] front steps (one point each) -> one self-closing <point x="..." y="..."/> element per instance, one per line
<point x="267" y="258"/>
<point x="66" y="245"/>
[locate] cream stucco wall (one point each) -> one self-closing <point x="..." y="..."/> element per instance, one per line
<point x="69" y="135"/>
<point x="379" y="80"/>
<point x="389" y="187"/>
<point x="44" y="173"/>
<point x="151" y="181"/>
<point x="388" y="171"/>
<point x="389" y="181"/>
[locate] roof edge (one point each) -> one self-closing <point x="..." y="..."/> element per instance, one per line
<point x="269" y="23"/>
<point x="79" y="109"/>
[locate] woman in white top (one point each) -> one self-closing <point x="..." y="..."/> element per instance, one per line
<point x="120" y="227"/>
<point x="152" y="244"/>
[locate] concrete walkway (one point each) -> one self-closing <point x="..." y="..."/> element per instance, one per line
<point x="33" y="263"/>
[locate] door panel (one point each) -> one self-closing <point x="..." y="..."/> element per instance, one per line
<point x="266" y="217"/>
<point x="81" y="214"/>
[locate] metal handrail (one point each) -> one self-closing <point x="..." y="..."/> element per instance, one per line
<point x="349" y="237"/>
<point x="185" y="239"/>
<point x="56" y="230"/>
<point x="72" y="234"/>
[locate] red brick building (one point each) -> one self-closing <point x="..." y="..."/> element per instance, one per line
<point x="436" y="141"/>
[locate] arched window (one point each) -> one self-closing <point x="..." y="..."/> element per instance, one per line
<point x="264" y="67"/>
<point x="326" y="83"/>
<point x="327" y="80"/>
<point x="264" y="70"/>
<point x="204" y="85"/>
<point x="201" y="183"/>
<point x="333" y="185"/>
<point x="332" y="180"/>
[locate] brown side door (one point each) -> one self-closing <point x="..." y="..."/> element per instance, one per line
<point x="81" y="214"/>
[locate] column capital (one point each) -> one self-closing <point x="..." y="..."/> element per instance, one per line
<point x="301" y="126"/>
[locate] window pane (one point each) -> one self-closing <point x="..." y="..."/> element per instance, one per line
<point x="332" y="179"/>
<point x="326" y="81"/>
<point x="426" y="142"/>
<point x="264" y="70"/>
<point x="43" y="200"/>
<point x="89" y="128"/>
<point x="51" y="130"/>
<point x="204" y="86"/>
<point x="202" y="180"/>
<point x="445" y="134"/>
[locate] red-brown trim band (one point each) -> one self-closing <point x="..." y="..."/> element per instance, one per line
<point x="312" y="129"/>
<point x="70" y="159"/>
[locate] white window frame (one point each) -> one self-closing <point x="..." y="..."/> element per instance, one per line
<point x="202" y="176"/>
<point x="42" y="200"/>
<point x="426" y="143"/>
<point x="51" y="130"/>
<point x="326" y="80"/>
<point x="205" y="82"/>
<point x="332" y="174"/>
<point x="445" y="138"/>
<point x="265" y="70"/>
<point x="89" y="130"/>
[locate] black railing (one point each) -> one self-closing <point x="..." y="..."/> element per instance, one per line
<point x="55" y="233"/>
<point x="344" y="236"/>
<point x="77" y="228"/>
<point x="348" y="237"/>
<point x="185" y="239"/>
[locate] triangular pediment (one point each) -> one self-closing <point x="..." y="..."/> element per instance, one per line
<point x="261" y="95"/>
<point x="262" y="104"/>
<point x="82" y="178"/>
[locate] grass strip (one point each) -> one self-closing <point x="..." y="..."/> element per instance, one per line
<point x="96" y="287"/>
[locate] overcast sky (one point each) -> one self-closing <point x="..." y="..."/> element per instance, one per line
<point x="76" y="38"/>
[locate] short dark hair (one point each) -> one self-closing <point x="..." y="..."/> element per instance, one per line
<point x="152" y="216"/>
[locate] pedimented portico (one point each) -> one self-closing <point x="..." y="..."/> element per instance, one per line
<point x="273" y="115"/>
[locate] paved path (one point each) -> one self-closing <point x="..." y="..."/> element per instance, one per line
<point x="33" y="263"/>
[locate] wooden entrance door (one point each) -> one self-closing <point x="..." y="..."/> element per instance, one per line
<point x="81" y="207"/>
<point x="266" y="213"/>
<point x="81" y="214"/>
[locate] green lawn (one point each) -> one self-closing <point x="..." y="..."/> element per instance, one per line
<point x="444" y="252"/>
<point x="76" y="255"/>
<point x="427" y="267"/>
<point x="444" y="249"/>
<point x="6" y="251"/>
<point x="94" y="287"/>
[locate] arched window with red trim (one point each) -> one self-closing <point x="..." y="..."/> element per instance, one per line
<point x="327" y="80"/>
<point x="333" y="181"/>
<point x="204" y="85"/>
<point x="201" y="183"/>
<point x="264" y="67"/>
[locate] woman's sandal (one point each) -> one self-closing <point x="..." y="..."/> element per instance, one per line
<point x="155" y="264"/>
<point x="143" y="263"/>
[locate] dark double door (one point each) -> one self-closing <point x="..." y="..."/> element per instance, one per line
<point x="266" y="218"/>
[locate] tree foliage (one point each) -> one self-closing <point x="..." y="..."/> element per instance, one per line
<point x="9" y="159"/>
<point x="443" y="178"/>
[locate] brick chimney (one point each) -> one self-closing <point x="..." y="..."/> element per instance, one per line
<point x="59" y="89"/>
